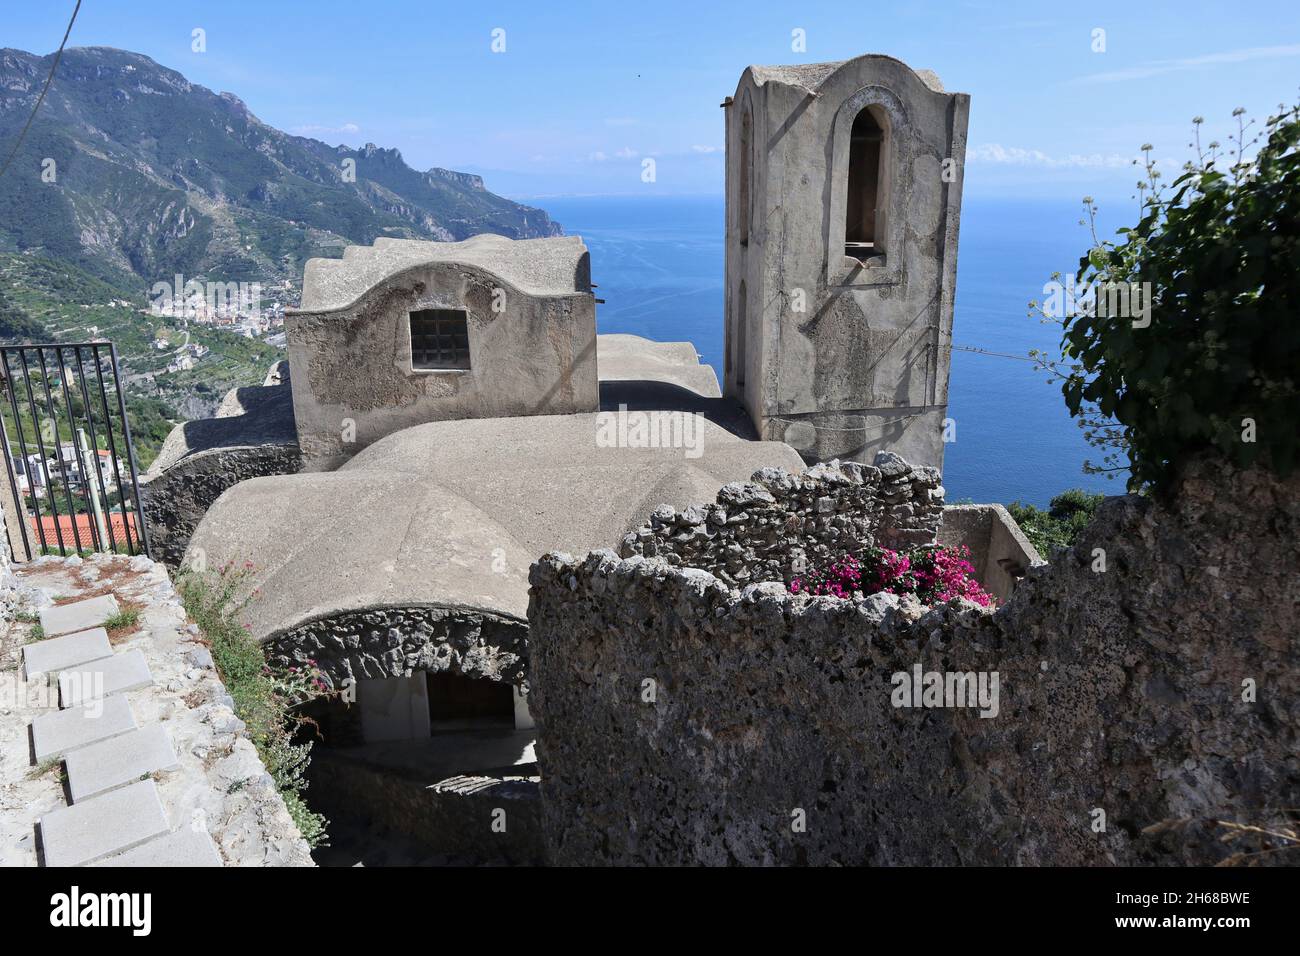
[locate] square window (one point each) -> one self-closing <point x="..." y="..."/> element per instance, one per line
<point x="439" y="339"/>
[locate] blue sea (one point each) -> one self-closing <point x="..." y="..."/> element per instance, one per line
<point x="659" y="266"/>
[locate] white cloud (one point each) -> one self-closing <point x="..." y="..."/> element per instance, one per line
<point x="1016" y="156"/>
<point x="706" y="149"/>
<point x="600" y="156"/>
<point x="347" y="129"/>
<point x="1158" y="67"/>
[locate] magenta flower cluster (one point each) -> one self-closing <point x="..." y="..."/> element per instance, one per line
<point x="840" y="578"/>
<point x="934" y="575"/>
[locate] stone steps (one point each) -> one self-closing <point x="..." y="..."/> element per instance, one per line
<point x="57" y="733"/>
<point x="115" y="816"/>
<point x="112" y="675"/>
<point x="118" y="761"/>
<point x="78" y="616"/>
<point x="117" y="821"/>
<point x="54" y="654"/>
<point x="178" y="848"/>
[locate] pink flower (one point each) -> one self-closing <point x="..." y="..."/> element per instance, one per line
<point x="934" y="575"/>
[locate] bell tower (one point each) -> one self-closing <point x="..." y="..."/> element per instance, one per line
<point x="843" y="201"/>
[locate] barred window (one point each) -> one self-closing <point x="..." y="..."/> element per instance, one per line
<point x="439" y="339"/>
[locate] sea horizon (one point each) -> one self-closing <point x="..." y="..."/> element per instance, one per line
<point x="658" y="262"/>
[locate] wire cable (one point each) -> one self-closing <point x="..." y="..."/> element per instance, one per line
<point x="45" y="89"/>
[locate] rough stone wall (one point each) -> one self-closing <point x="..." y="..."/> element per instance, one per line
<point x="252" y="435"/>
<point x="397" y="641"/>
<point x="176" y="500"/>
<point x="1125" y="690"/>
<point x="760" y="530"/>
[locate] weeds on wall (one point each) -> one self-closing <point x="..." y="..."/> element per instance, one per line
<point x="266" y="699"/>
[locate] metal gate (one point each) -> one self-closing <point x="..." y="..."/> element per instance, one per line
<point x="68" y="451"/>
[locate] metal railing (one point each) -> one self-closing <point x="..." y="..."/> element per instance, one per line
<point x="61" y="402"/>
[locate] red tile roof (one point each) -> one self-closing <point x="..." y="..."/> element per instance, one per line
<point x="64" y="524"/>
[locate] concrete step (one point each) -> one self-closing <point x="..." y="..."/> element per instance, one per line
<point x="117" y="761"/>
<point x="178" y="848"/>
<point x="78" y="616"/>
<point x="112" y="675"/>
<point x="60" y="653"/>
<point x="57" y="733"/>
<point x="111" y="823"/>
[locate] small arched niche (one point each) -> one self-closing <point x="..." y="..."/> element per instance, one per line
<point x="746" y="171"/>
<point x="742" y="326"/>
<point x="867" y="185"/>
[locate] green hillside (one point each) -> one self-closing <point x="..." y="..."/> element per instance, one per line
<point x="45" y="300"/>
<point x="154" y="175"/>
<point x="131" y="175"/>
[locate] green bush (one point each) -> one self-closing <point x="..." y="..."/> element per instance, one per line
<point x="264" y="700"/>
<point x="1215" y="367"/>
<point x="1058" y="526"/>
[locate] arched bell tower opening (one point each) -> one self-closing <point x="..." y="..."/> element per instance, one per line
<point x="867" y="200"/>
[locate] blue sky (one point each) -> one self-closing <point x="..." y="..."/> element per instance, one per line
<point x="583" y="91"/>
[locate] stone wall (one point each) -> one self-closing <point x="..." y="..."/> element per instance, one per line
<point x="760" y="530"/>
<point x="1146" y="695"/>
<point x="251" y="436"/>
<point x="999" y="551"/>
<point x="176" y="501"/>
<point x="397" y="641"/>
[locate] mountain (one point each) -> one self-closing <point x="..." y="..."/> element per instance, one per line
<point x="155" y="175"/>
<point x="131" y="174"/>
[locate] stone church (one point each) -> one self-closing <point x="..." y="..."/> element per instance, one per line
<point x="440" y="422"/>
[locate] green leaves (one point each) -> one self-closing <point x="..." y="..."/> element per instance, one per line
<point x="1216" y="368"/>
